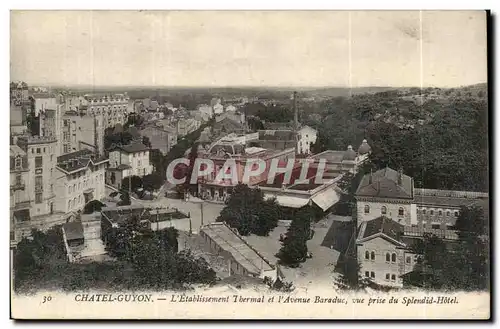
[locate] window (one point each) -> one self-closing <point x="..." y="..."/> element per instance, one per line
<point x="367" y="255"/>
<point x="440" y="213"/>
<point x="367" y="274"/>
<point x="387" y="276"/>
<point x="393" y="277"/>
<point x="18" y="179"/>
<point x="372" y="275"/>
<point x="408" y="259"/>
<point x="38" y="162"/>
<point x="18" y="162"/>
<point x="393" y="258"/>
<point x="69" y="204"/>
<point x="52" y="157"/>
<point x="367" y="209"/>
<point x="38" y="197"/>
<point x="44" y="150"/>
<point x="432" y="212"/>
<point x="456" y="213"/>
<point x="384" y="210"/>
<point x="423" y="211"/>
<point x="448" y="214"/>
<point x="387" y="257"/>
<point x="373" y="255"/>
<point x="38" y="182"/>
<point x="401" y="211"/>
<point x="436" y="226"/>
<point x="37" y="150"/>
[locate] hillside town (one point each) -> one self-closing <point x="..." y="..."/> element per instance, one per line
<point x="88" y="175"/>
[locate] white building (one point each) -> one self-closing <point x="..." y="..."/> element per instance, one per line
<point x="306" y="137"/>
<point x="114" y="108"/>
<point x="128" y="160"/>
<point x="41" y="157"/>
<point x="79" y="178"/>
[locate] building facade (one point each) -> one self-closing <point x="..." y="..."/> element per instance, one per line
<point x="82" y="132"/>
<point x="128" y="160"/>
<point x="113" y="108"/>
<point x="161" y="137"/>
<point x="41" y="157"/>
<point x="383" y="252"/>
<point x="79" y="179"/>
<point x="391" y="193"/>
<point x="306" y="137"/>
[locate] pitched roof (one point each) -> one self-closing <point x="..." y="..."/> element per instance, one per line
<point x="381" y="225"/>
<point x="386" y="183"/>
<point x="16" y="150"/>
<point x="78" y="160"/>
<point x="132" y="148"/>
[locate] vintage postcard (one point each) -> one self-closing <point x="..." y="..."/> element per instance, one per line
<point x="249" y="165"/>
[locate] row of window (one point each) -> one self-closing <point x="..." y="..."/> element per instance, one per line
<point x="86" y="183"/>
<point x="440" y="212"/>
<point x="383" y="210"/>
<point x="370" y="274"/>
<point x="40" y="150"/>
<point x="390" y="277"/>
<point x="75" y="202"/>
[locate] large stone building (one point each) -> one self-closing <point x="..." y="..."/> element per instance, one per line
<point x="20" y="202"/>
<point x="391" y="193"/>
<point x="392" y="214"/>
<point x="234" y="147"/>
<point x="128" y="160"/>
<point x="41" y="157"/>
<point x="113" y="108"/>
<point x="79" y="179"/>
<point x="161" y="137"/>
<point x="81" y="132"/>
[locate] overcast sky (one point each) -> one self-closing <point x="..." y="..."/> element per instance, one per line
<point x="235" y="48"/>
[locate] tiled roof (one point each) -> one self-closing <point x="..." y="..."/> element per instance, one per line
<point x="132" y="148"/>
<point x="77" y="160"/>
<point x="382" y="225"/>
<point x="384" y="184"/>
<point x="280" y="135"/>
<point x="16" y="150"/>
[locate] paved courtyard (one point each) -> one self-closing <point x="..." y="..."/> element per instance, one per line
<point x="325" y="251"/>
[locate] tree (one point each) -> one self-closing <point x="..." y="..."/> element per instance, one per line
<point x="93" y="206"/>
<point x="294" y="245"/>
<point x="193" y="155"/>
<point x="349" y="277"/>
<point x="472" y="223"/>
<point x="124" y="199"/>
<point x="146" y="141"/>
<point x="247" y="211"/>
<point x="152" y="182"/>
<point x="131" y="183"/>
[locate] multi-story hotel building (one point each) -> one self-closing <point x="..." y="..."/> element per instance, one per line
<point x="113" y="108"/>
<point x="128" y="160"/>
<point x="392" y="213"/>
<point x="41" y="157"/>
<point x="82" y="132"/>
<point x="79" y="178"/>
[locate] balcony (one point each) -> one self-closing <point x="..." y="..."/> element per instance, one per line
<point x="21" y="205"/>
<point x="18" y="186"/>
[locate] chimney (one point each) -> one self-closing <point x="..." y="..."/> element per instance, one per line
<point x="295" y="112"/>
<point x="400" y="176"/>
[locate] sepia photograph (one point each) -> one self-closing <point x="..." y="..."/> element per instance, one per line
<point x="249" y="164"/>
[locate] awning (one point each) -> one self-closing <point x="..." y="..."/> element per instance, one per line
<point x="288" y="201"/>
<point x="325" y="199"/>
